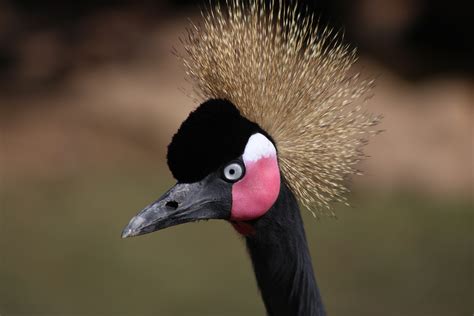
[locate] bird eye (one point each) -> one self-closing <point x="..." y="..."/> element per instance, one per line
<point x="233" y="171"/>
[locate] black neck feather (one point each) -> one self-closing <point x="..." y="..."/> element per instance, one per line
<point x="282" y="262"/>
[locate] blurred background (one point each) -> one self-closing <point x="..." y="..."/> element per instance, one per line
<point x="89" y="98"/>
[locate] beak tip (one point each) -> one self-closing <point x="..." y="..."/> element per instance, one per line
<point x="133" y="228"/>
<point x="127" y="232"/>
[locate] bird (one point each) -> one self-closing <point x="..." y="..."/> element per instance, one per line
<point x="280" y="127"/>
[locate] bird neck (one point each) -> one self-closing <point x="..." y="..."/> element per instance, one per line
<point x="282" y="262"/>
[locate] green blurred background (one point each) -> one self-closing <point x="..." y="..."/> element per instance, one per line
<point x="89" y="98"/>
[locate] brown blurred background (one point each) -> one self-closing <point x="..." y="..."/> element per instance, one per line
<point x="89" y="98"/>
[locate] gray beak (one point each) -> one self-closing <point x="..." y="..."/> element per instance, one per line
<point x="184" y="202"/>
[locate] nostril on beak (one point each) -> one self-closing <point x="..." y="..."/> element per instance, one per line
<point x="172" y="204"/>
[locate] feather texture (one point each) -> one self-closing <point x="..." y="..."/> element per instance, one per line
<point x="290" y="76"/>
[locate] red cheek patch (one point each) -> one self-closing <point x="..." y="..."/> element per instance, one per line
<point x="257" y="191"/>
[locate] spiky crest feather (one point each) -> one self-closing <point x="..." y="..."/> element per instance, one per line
<point x="282" y="72"/>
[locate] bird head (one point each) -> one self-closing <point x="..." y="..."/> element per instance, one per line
<point x="226" y="167"/>
<point x="273" y="79"/>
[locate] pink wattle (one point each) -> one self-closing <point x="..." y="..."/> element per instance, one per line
<point x="255" y="194"/>
<point x="243" y="228"/>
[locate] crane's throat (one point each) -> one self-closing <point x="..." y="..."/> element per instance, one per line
<point x="243" y="228"/>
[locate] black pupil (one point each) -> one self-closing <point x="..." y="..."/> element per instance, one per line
<point x="232" y="171"/>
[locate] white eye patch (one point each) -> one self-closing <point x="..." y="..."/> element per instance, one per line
<point x="258" y="146"/>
